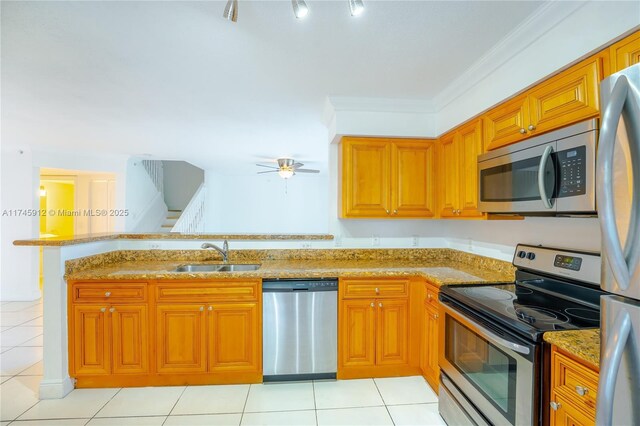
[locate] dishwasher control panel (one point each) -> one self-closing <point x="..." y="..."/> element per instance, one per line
<point x="299" y="285"/>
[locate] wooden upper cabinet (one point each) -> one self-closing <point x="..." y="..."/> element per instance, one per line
<point x="366" y="187"/>
<point x="563" y="99"/>
<point x="625" y="53"/>
<point x="387" y="178"/>
<point x="458" y="176"/>
<point x="569" y="97"/>
<point x="507" y="123"/>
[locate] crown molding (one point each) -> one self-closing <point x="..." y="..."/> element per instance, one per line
<point x="345" y="103"/>
<point x="546" y="17"/>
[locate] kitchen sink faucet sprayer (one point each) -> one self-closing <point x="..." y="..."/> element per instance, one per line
<point x="224" y="251"/>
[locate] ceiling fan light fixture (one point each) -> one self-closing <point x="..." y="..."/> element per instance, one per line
<point x="285" y="173"/>
<point x="300" y="8"/>
<point x="231" y="11"/>
<point x="356" y="7"/>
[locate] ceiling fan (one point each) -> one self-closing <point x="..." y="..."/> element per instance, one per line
<point x="286" y="168"/>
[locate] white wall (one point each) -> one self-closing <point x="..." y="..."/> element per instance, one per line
<point x="181" y="180"/>
<point x="146" y="206"/>
<point x="267" y="203"/>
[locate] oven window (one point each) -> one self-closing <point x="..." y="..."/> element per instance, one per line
<point x="517" y="181"/>
<point x="490" y="370"/>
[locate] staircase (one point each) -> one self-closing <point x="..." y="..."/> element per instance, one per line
<point x="170" y="221"/>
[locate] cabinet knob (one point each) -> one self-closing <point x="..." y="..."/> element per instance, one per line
<point x="201" y="308"/>
<point x="435" y="316"/>
<point x="429" y="296"/>
<point x="581" y="390"/>
<point x="372" y="304"/>
<point x="531" y="127"/>
<point x="107" y="294"/>
<point x="555" y="405"/>
<point x="523" y="131"/>
<point x="380" y="304"/>
<point x="388" y="211"/>
<point x="211" y="308"/>
<point x="395" y="211"/>
<point x="112" y="310"/>
<point x="103" y="309"/>
<point x="377" y="290"/>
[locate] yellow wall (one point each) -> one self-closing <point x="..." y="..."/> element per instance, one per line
<point x="60" y="196"/>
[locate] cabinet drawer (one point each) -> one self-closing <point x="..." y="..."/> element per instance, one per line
<point x="431" y="296"/>
<point x="575" y="382"/>
<point x="109" y="292"/>
<point x="208" y="291"/>
<point x="355" y="289"/>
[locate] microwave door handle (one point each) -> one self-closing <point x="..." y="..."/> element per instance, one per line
<point x="604" y="183"/>
<point x="541" y="186"/>
<point x="612" y="355"/>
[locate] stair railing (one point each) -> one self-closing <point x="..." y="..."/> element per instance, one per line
<point x="156" y="173"/>
<point x="192" y="219"/>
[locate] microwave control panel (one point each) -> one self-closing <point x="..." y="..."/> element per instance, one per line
<point x="571" y="163"/>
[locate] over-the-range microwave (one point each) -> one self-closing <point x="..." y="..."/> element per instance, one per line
<point x="552" y="174"/>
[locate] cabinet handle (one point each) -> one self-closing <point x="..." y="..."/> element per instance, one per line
<point x="523" y="131"/>
<point x="555" y="405"/>
<point x="201" y="308"/>
<point x="380" y="304"/>
<point x="395" y="211"/>
<point x="372" y="304"/>
<point x="377" y="290"/>
<point x="107" y="294"/>
<point x="103" y="309"/>
<point x="531" y="127"/>
<point x="112" y="310"/>
<point x="581" y="390"/>
<point x="211" y="308"/>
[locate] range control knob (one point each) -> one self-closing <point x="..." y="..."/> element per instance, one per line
<point x="531" y="255"/>
<point x="522" y="254"/>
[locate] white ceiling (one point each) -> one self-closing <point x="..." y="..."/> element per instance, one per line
<point x="176" y="80"/>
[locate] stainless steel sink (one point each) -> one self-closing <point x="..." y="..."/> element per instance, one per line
<point x="229" y="267"/>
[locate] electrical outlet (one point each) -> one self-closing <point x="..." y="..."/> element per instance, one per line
<point x="306" y="245"/>
<point x="153" y="246"/>
<point x="375" y="241"/>
<point x="415" y="241"/>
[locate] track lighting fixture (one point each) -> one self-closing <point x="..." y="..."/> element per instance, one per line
<point x="300" y="8"/>
<point x="231" y="11"/>
<point x="356" y="7"/>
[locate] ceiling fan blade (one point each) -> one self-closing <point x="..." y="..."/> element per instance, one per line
<point x="296" y="165"/>
<point x="268" y="171"/>
<point x="269" y="167"/>
<point x="307" y="171"/>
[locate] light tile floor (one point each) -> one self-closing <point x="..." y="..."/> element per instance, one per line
<point x="392" y="401"/>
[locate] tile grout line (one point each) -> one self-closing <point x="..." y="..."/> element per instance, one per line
<point x="104" y="405"/>
<point x="245" y="404"/>
<point x="174" y="405"/>
<point x="383" y="401"/>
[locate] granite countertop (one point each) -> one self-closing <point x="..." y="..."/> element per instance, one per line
<point x="90" y="238"/>
<point x="583" y="344"/>
<point x="443" y="267"/>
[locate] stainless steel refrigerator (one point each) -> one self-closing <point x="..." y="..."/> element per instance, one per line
<point x="618" y="196"/>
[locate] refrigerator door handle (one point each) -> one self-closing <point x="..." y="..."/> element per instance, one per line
<point x="609" y="370"/>
<point x="621" y="95"/>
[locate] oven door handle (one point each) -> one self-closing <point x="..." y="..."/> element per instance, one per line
<point x="521" y="349"/>
<point x="541" y="187"/>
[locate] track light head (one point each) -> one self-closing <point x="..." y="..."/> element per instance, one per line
<point x="231" y="11"/>
<point x="300" y="8"/>
<point x="356" y="7"/>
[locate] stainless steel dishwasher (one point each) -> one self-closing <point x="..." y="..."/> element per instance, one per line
<point x="299" y="329"/>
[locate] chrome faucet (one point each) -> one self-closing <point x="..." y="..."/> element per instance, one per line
<point x="224" y="251"/>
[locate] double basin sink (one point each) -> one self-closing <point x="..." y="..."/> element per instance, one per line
<point x="225" y="267"/>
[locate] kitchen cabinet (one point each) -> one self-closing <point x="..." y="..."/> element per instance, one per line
<point x="429" y="337"/>
<point x="374" y="328"/>
<point x="566" y="98"/>
<point x="625" y="53"/>
<point x="574" y="386"/>
<point x="387" y="178"/>
<point x="458" y="171"/>
<point x="106" y="337"/>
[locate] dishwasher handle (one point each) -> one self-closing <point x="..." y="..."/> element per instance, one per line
<point x="287" y="286"/>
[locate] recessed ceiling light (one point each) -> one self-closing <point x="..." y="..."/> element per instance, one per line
<point x="300" y="8"/>
<point x="356" y="7"/>
<point x="231" y="11"/>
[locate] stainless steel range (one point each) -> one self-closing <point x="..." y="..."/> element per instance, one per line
<point x="492" y="357"/>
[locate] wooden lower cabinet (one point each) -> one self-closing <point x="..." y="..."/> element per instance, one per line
<point x="234" y="336"/>
<point x="181" y="338"/>
<point x="357" y="334"/>
<point x="91" y="352"/>
<point x="392" y="330"/>
<point x="130" y="339"/>
<point x="429" y="351"/>
<point x="574" y="386"/>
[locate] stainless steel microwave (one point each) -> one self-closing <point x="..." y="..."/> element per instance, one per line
<point x="552" y="174"/>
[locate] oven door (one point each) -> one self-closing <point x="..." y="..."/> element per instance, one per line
<point x="519" y="182"/>
<point x="495" y="371"/>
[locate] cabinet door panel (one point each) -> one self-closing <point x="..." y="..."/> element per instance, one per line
<point x="130" y="331"/>
<point x="625" y="53"/>
<point x="392" y="326"/>
<point x="91" y="349"/>
<point x="504" y="125"/>
<point x="234" y="337"/>
<point x="449" y="175"/>
<point x="357" y="335"/>
<point x="413" y="185"/>
<point x="566" y="98"/>
<point x="431" y="362"/>
<point x="181" y="338"/>
<point x="470" y="147"/>
<point x="366" y="186"/>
